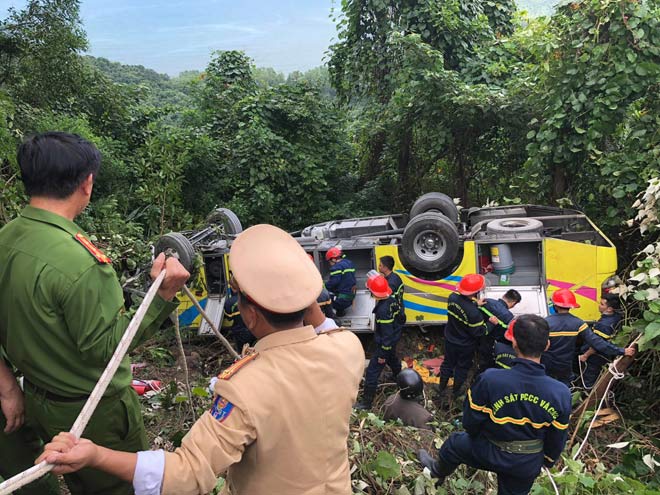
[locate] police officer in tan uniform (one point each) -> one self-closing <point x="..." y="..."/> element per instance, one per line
<point x="279" y="422"/>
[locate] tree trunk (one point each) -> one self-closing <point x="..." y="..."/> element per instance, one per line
<point x="372" y="164"/>
<point x="403" y="170"/>
<point x="559" y="182"/>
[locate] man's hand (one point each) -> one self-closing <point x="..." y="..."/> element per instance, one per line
<point x="11" y="403"/>
<point x="583" y="357"/>
<point x="480" y="302"/>
<point x="381" y="361"/>
<point x="175" y="278"/>
<point x="630" y="351"/>
<point x="69" y="454"/>
<point x="494" y="320"/>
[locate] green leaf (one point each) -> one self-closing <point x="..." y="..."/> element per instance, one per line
<point x="200" y="392"/>
<point x="386" y="466"/>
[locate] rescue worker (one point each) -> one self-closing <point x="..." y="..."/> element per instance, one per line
<point x="515" y="420"/>
<point x="403" y="405"/>
<point x="465" y="325"/>
<point x="385" y="267"/>
<point x="591" y="362"/>
<point x="232" y="320"/>
<point x="386" y="337"/>
<point x="19" y="445"/>
<point x="324" y="299"/>
<point x="564" y="331"/>
<point x="499" y="316"/>
<point x="62" y="313"/>
<point x="342" y="280"/>
<point x="504" y="351"/>
<point x="280" y="416"/>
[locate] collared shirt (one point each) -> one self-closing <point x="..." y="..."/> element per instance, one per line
<point x="465" y="322"/>
<point x="279" y="422"/>
<point x="387" y="333"/>
<point x="520" y="403"/>
<point x="342" y="277"/>
<point x="62" y="313"/>
<point x="499" y="308"/>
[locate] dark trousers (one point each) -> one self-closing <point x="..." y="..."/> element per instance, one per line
<point x="485" y="353"/>
<point x="242" y="337"/>
<point x="375" y="368"/>
<point x="458" y="361"/>
<point x="341" y="304"/>
<point x="563" y="374"/>
<point x="591" y="369"/>
<point x="459" y="449"/>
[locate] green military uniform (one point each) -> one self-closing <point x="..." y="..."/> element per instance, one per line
<point x="61" y="318"/>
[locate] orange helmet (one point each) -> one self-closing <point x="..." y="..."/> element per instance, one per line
<point x="333" y="252"/>
<point x="508" y="335"/>
<point x="471" y="284"/>
<point x="564" y="298"/>
<point x="379" y="286"/>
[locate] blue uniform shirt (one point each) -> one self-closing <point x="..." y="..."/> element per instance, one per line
<point x="504" y="355"/>
<point x="396" y="284"/>
<point x="387" y="333"/>
<point x="342" y="278"/>
<point x="564" y="331"/>
<point x="465" y="322"/>
<point x="499" y="308"/>
<point x="605" y="328"/>
<point x="520" y="403"/>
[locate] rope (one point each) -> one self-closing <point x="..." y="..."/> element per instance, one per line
<point x="36" y="472"/>
<point x="217" y="333"/>
<point x="177" y="331"/>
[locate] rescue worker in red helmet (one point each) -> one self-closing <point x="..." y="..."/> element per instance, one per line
<point x="504" y="352"/>
<point x="465" y="325"/>
<point x="324" y="299"/>
<point x="565" y="329"/>
<point x="386" y="337"/>
<point x="342" y="280"/>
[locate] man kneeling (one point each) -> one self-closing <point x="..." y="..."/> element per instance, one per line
<point x="515" y="419"/>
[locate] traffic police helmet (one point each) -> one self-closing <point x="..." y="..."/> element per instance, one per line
<point x="410" y="383"/>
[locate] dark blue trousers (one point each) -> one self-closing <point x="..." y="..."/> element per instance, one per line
<point x="460" y="448"/>
<point x="340" y="305"/>
<point x="458" y="361"/>
<point x="592" y="369"/>
<point x="375" y="369"/>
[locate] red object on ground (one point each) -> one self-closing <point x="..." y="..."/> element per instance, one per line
<point x="142" y="386"/>
<point x="431" y="347"/>
<point x="434" y="364"/>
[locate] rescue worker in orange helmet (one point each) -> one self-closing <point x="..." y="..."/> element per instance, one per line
<point x="342" y="280"/>
<point x="465" y="325"/>
<point x="386" y="337"/>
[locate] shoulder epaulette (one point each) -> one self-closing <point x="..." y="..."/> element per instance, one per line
<point x="331" y="330"/>
<point x="93" y="250"/>
<point x="234" y="368"/>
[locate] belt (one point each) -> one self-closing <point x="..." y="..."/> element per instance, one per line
<point x="519" y="446"/>
<point x="50" y="395"/>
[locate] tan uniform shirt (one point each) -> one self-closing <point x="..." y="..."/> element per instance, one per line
<point x="279" y="424"/>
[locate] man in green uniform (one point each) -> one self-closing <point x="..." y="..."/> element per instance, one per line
<point x="18" y="443"/>
<point x="62" y="313"/>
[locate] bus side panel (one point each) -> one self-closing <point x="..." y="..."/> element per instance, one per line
<point x="576" y="266"/>
<point x="426" y="301"/>
<point x="188" y="314"/>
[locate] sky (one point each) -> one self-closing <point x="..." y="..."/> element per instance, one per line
<point x="171" y="36"/>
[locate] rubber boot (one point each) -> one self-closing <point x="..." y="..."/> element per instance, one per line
<point x="428" y="461"/>
<point x="442" y="386"/>
<point x="366" y="402"/>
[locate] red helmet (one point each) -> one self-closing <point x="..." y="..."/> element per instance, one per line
<point x="379" y="286"/>
<point x="564" y="298"/>
<point x="508" y="335"/>
<point x="471" y="284"/>
<point x="333" y="252"/>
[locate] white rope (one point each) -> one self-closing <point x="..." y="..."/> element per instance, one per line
<point x="217" y="333"/>
<point x="36" y="472"/>
<point x="184" y="362"/>
<point x="554" y="485"/>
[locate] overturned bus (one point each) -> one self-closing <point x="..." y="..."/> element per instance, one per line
<point x="533" y="249"/>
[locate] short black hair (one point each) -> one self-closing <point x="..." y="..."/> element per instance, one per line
<point x="513" y="295"/>
<point x="54" y="164"/>
<point x="281" y="321"/>
<point x="612" y="301"/>
<point x="388" y="261"/>
<point x="531" y="333"/>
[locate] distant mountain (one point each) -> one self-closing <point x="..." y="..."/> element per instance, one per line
<point x="537" y="8"/>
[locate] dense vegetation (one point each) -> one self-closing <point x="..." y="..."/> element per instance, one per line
<point x="468" y="97"/>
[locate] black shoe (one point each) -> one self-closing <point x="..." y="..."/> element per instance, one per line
<point x="362" y="406"/>
<point x="428" y="461"/>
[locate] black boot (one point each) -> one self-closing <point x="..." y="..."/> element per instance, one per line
<point x="366" y="402"/>
<point x="437" y="400"/>
<point x="428" y="461"/>
<point x="458" y="390"/>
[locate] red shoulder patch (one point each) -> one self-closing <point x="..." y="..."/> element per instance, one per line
<point x="234" y="368"/>
<point x="93" y="250"/>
